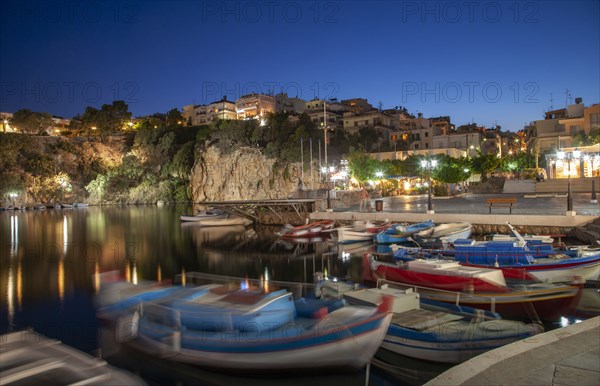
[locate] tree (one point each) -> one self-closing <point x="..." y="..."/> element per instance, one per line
<point x="174" y="117"/>
<point x="112" y="118"/>
<point x="363" y="167"/>
<point x="31" y="122"/>
<point x="484" y="164"/>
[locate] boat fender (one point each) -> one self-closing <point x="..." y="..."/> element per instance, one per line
<point x="127" y="327"/>
<point x="320" y="313"/>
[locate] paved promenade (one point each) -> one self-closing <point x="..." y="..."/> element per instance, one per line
<point x="476" y="204"/>
<point x="538" y="211"/>
<point x="565" y="356"/>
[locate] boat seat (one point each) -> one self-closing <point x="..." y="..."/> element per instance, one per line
<point x="423" y="319"/>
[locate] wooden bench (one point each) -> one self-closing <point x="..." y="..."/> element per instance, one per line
<point x="506" y="202"/>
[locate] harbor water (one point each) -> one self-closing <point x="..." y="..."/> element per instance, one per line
<point x="51" y="261"/>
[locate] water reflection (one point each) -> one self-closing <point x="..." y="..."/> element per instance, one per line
<point x="52" y="261"/>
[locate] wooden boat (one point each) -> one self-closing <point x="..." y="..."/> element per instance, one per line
<point x="401" y="233"/>
<point x="439" y="332"/>
<point x="311" y="229"/>
<point x="204" y="215"/>
<point x="359" y="231"/>
<point x="444" y="233"/>
<point x="249" y="329"/>
<point x="443" y="274"/>
<point x="538" y="301"/>
<point x="29" y="358"/>
<point x="521" y="260"/>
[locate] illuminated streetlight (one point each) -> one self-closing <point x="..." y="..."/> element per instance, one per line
<point x="429" y="165"/>
<point x="574" y="155"/>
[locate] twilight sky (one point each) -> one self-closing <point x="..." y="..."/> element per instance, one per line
<point x="492" y="62"/>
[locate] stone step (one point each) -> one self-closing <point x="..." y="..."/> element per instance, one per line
<point x="585" y="235"/>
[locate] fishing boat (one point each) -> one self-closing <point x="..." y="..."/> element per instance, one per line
<point x="215" y="218"/>
<point x="436" y="331"/>
<point x="444" y="233"/>
<point x="203" y="215"/>
<point x="521" y="260"/>
<point x="359" y="231"/>
<point x="248" y="328"/>
<point x="29" y="358"/>
<point x="401" y="233"/>
<point x="537" y="301"/>
<point x="311" y="229"/>
<point x="443" y="274"/>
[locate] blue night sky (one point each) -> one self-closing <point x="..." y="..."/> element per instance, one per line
<point x="490" y="62"/>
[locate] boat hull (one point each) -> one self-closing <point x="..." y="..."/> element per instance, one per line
<point x="447" y="283"/>
<point x="328" y="344"/>
<point x="547" y="304"/>
<point x="552" y="270"/>
<point x="446" y="347"/>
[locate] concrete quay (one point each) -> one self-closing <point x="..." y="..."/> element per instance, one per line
<point x="565" y="356"/>
<point x="533" y="211"/>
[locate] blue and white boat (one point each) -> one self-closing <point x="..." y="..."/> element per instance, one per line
<point x="401" y="233"/>
<point x="526" y="260"/>
<point x="221" y="327"/>
<point x="436" y="331"/>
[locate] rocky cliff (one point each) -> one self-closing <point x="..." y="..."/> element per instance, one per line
<point x="243" y="174"/>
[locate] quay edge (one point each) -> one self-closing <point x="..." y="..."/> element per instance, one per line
<point x="567" y="356"/>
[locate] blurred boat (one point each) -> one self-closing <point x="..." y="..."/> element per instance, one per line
<point x="29" y="358"/>
<point x="359" y="231"/>
<point x="314" y="228"/>
<point x="435" y="331"/>
<point x="247" y="328"/>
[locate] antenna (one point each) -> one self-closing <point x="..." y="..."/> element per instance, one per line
<point x="551" y="102"/>
<point x="568" y="96"/>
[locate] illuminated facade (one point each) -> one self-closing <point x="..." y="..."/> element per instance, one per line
<point x="254" y="106"/>
<point x="587" y="165"/>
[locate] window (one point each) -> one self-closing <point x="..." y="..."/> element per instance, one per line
<point x="426" y="134"/>
<point x="595" y="121"/>
<point x="426" y="146"/>
<point x="416" y="145"/>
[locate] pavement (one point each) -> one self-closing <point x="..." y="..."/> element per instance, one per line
<point x="565" y="356"/>
<point x="476" y="204"/>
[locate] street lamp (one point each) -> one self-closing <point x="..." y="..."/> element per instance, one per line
<point x="12" y="198"/>
<point x="574" y="155"/>
<point x="429" y="165"/>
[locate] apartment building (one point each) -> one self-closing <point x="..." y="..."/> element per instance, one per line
<point x="205" y="114"/>
<point x="317" y="109"/>
<point x="286" y="104"/>
<point x="255" y="106"/>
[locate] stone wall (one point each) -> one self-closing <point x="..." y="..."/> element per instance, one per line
<point x="243" y="174"/>
<point x="487" y="229"/>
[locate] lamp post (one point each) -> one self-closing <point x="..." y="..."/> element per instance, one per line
<point x="12" y="198"/>
<point x="574" y="155"/>
<point x="429" y="165"/>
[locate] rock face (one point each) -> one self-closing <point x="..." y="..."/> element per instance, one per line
<point x="243" y="174"/>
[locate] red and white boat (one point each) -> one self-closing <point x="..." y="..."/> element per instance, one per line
<point x="442" y="274"/>
<point x="360" y="231"/>
<point x="540" y="301"/>
<point x="308" y="230"/>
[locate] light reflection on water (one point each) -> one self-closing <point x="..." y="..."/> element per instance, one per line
<point x="52" y="260"/>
